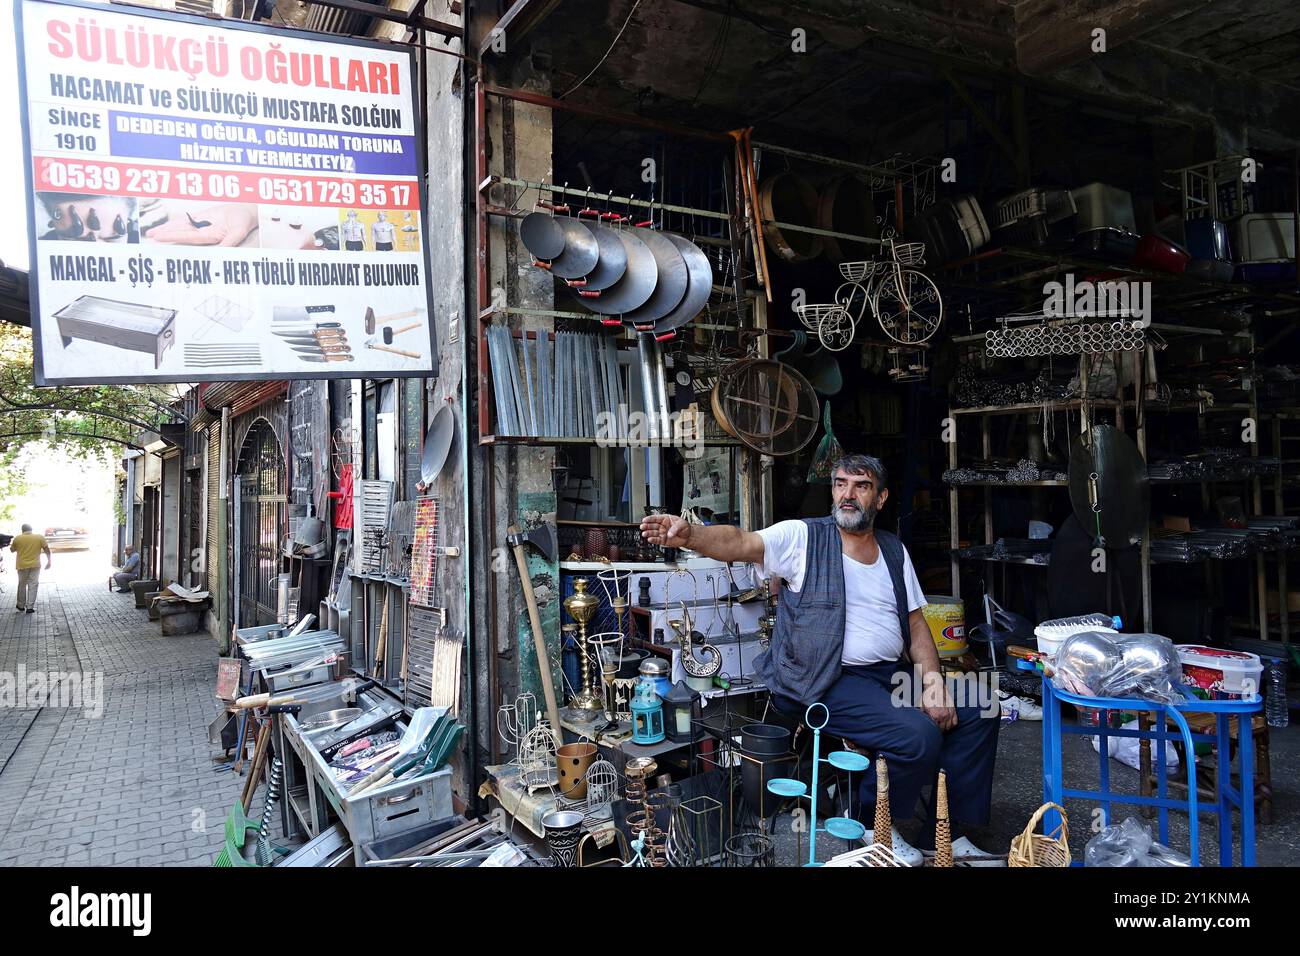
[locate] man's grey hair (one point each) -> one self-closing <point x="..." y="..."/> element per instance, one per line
<point x="27" y="529"/>
<point x="863" y="465"/>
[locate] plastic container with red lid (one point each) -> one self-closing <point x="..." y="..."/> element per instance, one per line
<point x="1214" y="673"/>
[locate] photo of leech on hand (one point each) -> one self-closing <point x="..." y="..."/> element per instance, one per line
<point x="192" y="224"/>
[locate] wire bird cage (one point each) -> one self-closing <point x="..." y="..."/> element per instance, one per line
<point x="537" y="762"/>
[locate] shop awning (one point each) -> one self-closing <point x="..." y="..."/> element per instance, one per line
<point x="240" y="396"/>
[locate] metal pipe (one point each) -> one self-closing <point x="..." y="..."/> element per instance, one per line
<point x="602" y="197"/>
<point x="844" y="163"/>
<point x="645" y="342"/>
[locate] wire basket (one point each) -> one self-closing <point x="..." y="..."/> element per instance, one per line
<point x="862" y="269"/>
<point x="1037" y="849"/>
<point x="750" y="850"/>
<point x="909" y="253"/>
<point x="812" y="316"/>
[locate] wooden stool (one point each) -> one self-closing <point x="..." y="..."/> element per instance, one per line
<point x="1207" y="786"/>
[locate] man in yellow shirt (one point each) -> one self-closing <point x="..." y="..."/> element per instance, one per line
<point x="29" y="548"/>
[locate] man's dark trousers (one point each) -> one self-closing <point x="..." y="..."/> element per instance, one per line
<point x="863" y="708"/>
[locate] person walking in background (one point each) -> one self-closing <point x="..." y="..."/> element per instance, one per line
<point x="128" y="572"/>
<point x="29" y="548"/>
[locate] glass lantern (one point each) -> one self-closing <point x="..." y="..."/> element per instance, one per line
<point x="682" y="708"/>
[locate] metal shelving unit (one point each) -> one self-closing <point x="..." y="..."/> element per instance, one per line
<point x="1140" y="406"/>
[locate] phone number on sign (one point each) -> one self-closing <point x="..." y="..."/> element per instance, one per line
<point x="119" y="179"/>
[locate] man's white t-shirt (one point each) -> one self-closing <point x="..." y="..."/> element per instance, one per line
<point x="871" y="631"/>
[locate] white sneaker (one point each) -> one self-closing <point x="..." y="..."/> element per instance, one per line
<point x="1019" y="708"/>
<point x="962" y="849"/>
<point x="902" y="849"/>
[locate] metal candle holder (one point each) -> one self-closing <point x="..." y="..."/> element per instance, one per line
<point x="845" y="828"/>
<point x="617" y="585"/>
<point x="581" y="607"/>
<point x="608" y="646"/>
<point x="641" y="820"/>
<point x="515" y="721"/>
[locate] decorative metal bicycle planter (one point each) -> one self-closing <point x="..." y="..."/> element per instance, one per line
<point x="844" y="828"/>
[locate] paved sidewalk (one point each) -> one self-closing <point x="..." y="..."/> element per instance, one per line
<point x="124" y="779"/>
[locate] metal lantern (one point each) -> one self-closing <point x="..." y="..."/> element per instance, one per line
<point x="647" y="714"/>
<point x="681" y="711"/>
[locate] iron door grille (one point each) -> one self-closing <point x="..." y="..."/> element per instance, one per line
<point x="263" y="518"/>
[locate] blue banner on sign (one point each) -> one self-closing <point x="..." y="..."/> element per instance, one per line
<point x="148" y="136"/>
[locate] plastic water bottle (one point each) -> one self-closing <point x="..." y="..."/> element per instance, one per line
<point x="1275" y="702"/>
<point x="1084" y="622"/>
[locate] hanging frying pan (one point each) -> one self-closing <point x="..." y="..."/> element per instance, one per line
<point x="670" y="288"/>
<point x="846" y="205"/>
<point x="610" y="266"/>
<point x="580" y="251"/>
<point x="699" y="286"/>
<point x="542" y="235"/>
<point x="636" y="286"/>
<point x="1116" y="503"/>
<point x="437" y="445"/>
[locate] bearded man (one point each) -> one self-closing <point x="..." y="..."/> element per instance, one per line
<point x="850" y="614"/>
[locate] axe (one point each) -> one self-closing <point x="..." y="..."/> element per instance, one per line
<point x="543" y="539"/>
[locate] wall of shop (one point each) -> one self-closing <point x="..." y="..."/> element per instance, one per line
<point x="516" y="481"/>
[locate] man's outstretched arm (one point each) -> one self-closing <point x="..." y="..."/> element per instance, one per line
<point x="722" y="542"/>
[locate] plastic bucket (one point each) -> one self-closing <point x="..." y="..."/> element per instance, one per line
<point x="946" y="616"/>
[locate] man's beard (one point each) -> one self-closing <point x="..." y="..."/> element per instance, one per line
<point x="854" y="521"/>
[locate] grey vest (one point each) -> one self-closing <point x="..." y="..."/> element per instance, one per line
<point x="804" y="659"/>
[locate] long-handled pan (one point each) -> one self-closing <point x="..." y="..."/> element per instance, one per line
<point x="699" y="287"/>
<point x="610" y="265"/>
<point x="671" y="287"/>
<point x="638" y="282"/>
<point x="580" y="252"/>
<point x="542" y="235"/>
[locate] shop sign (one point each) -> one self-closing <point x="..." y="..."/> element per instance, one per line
<point x="212" y="200"/>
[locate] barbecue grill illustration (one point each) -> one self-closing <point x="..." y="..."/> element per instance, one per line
<point x="123" y="325"/>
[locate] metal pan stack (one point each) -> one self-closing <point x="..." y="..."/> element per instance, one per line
<point x="653" y="281"/>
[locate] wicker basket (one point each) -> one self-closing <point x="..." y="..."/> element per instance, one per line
<point x="1036" y="849"/>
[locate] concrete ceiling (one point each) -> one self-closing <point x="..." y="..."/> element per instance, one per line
<point x="877" y="68"/>
<point x="1251" y="36"/>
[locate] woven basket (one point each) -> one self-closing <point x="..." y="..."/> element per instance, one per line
<point x="1037" y="849"/>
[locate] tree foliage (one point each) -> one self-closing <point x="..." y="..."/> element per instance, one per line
<point x="80" y="419"/>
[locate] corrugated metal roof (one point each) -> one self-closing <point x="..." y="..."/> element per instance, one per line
<point x="240" y="396"/>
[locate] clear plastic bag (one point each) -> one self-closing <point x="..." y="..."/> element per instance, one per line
<point x="1130" y="844"/>
<point x="1100" y="664"/>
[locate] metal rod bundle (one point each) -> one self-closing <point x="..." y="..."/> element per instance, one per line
<point x="567" y="388"/>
